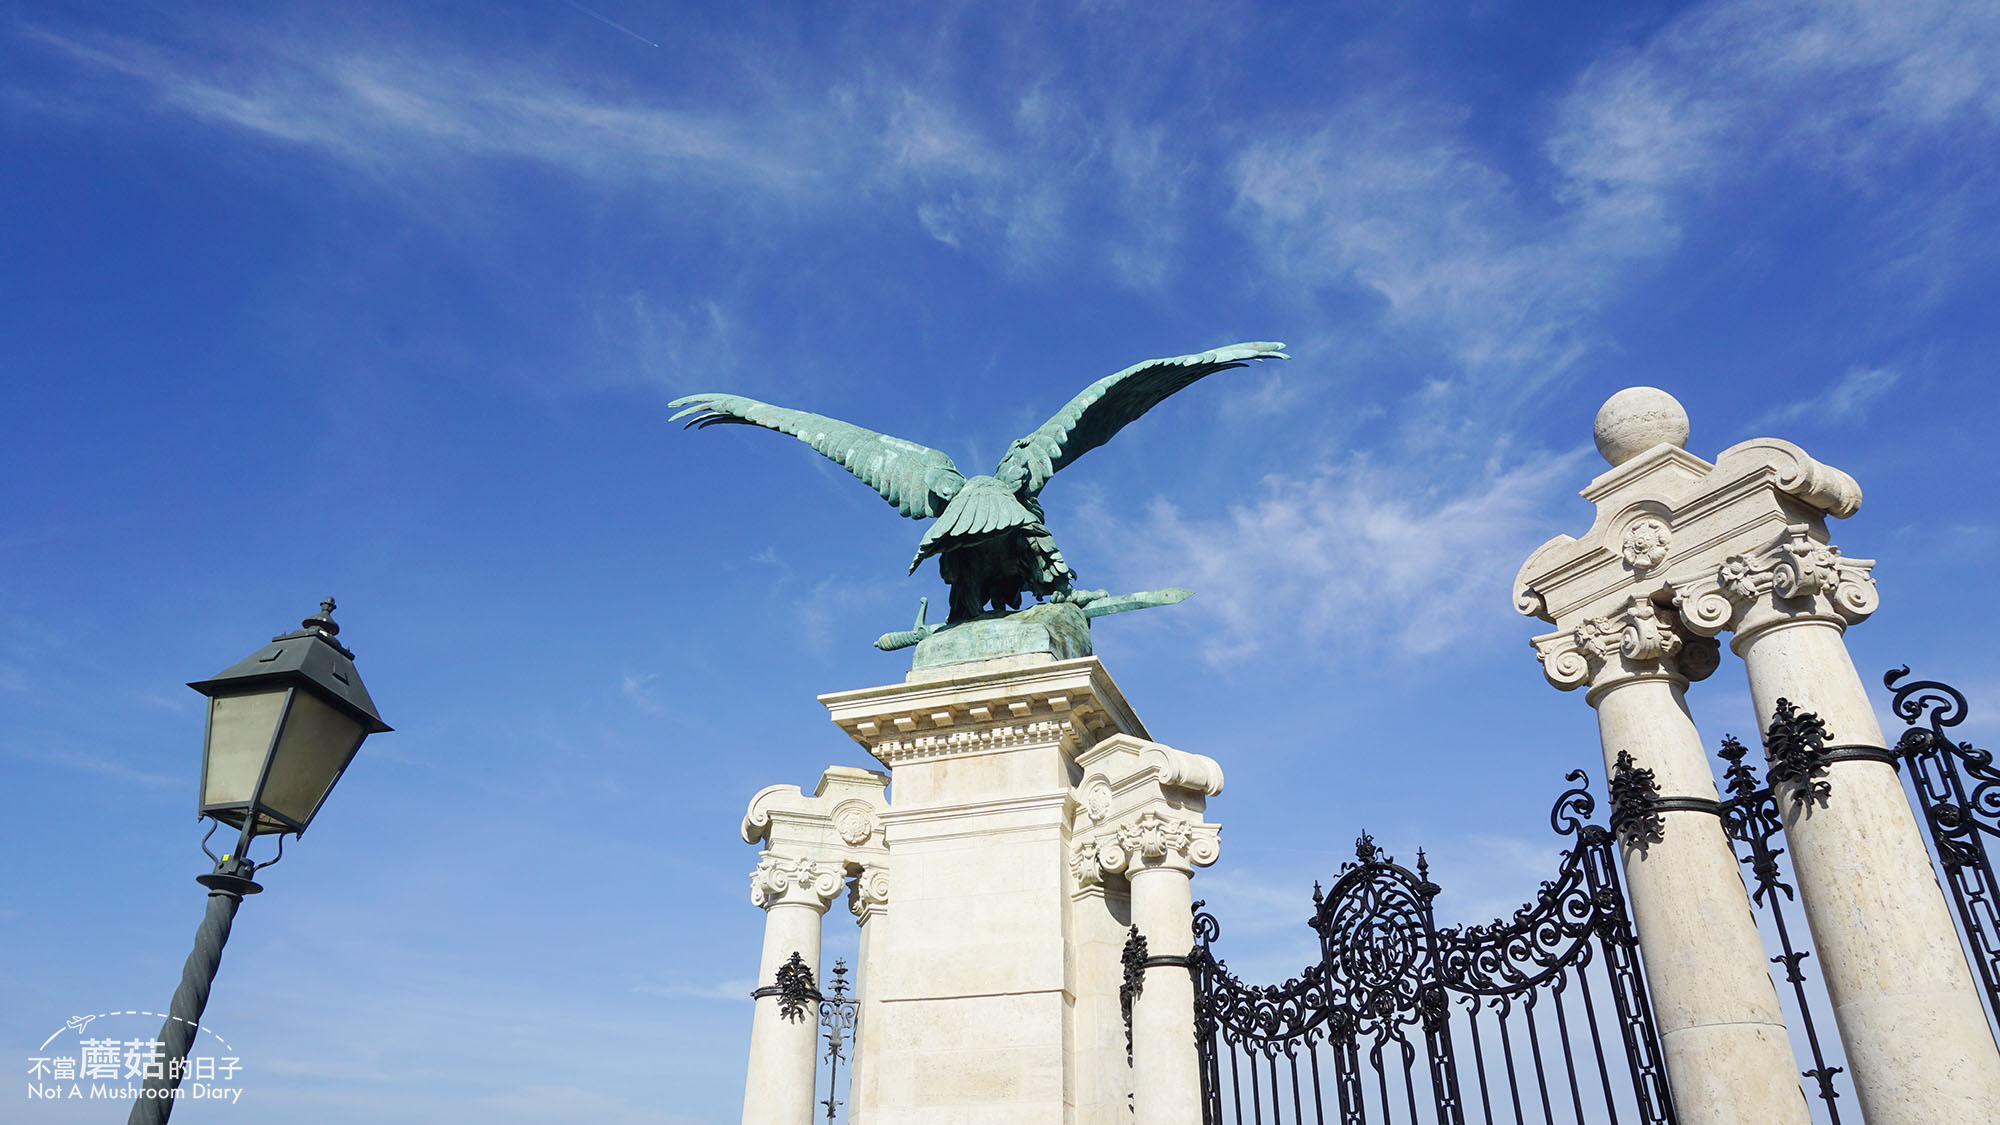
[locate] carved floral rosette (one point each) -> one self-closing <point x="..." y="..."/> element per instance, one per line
<point x="780" y="880"/>
<point x="1796" y="567"/>
<point x="1645" y="544"/>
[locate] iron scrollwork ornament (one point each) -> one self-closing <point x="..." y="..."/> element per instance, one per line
<point x="1379" y="998"/>
<point x="1134" y="958"/>
<point x="1958" y="792"/>
<point x="1796" y="745"/>
<point x="836" y="1024"/>
<point x="796" y="989"/>
<point x="1635" y="803"/>
<point x="1751" y="820"/>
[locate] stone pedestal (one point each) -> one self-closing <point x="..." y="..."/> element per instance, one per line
<point x="991" y="988"/>
<point x="974" y="994"/>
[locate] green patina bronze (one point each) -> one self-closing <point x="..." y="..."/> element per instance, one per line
<point x="988" y="533"/>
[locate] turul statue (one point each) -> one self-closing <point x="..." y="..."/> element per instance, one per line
<point x="988" y="532"/>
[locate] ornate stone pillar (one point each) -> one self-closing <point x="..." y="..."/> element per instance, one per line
<point x="1139" y="815"/>
<point x="811" y="845"/>
<point x="979" y="990"/>
<point x="1728" y="1058"/>
<point x="1916" y="1037"/>
<point x="868" y="899"/>
<point x="1741" y="544"/>
<point x="1721" y="1029"/>
<point x="784" y="1025"/>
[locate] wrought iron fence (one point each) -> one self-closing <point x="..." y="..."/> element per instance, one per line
<point x="801" y="998"/>
<point x="1956" y="791"/>
<point x="1958" y="794"/>
<point x="1551" y="1004"/>
<point x="1752" y="822"/>
<point x="836" y="1028"/>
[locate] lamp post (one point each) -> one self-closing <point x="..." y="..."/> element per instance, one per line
<point x="283" y="723"/>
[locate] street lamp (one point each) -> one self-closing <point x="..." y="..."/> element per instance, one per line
<point x="283" y="723"/>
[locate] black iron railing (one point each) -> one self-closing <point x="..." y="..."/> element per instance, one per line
<point x="1958" y="795"/>
<point x="1751" y="820"/>
<point x="1551" y="1004"/>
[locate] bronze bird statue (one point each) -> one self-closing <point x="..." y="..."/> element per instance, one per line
<point x="989" y="537"/>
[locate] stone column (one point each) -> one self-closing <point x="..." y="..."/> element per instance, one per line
<point x="1728" y="1057"/>
<point x="1723" y="1034"/>
<point x="1917" y="1042"/>
<point x="1166" y="1075"/>
<point x="868" y="898"/>
<point x="794" y="895"/>
<point x="811" y="845"/>
<point x="1139" y="816"/>
<point x="1741" y="545"/>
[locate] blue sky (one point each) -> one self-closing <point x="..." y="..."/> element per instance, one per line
<point x="387" y="301"/>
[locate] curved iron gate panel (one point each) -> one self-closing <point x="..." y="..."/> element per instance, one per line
<point x="1526" y="997"/>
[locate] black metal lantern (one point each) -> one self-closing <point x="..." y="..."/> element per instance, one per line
<point x="283" y="724"/>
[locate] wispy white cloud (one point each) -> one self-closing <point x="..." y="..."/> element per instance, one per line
<point x="1358" y="553"/>
<point x="668" y="345"/>
<point x="83" y="761"/>
<point x="1393" y="195"/>
<point x="1014" y="170"/>
<point x="637" y="688"/>
<point x="393" y="109"/>
<point x="736" y="991"/>
<point x="164" y="702"/>
<point x="1845" y="403"/>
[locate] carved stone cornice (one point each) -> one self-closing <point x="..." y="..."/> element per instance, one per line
<point x="787" y="881"/>
<point x="1070" y="704"/>
<point x="1150" y="839"/>
<point x="843" y="814"/>
<point x="1640" y="640"/>
<point x="1668" y="512"/>
<point x="1797" y="576"/>
<point x="1681" y="549"/>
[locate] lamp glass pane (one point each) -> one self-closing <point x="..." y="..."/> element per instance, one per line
<point x="239" y="735"/>
<point x="316" y="745"/>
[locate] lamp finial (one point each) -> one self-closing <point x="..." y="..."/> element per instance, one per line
<point x="323" y="622"/>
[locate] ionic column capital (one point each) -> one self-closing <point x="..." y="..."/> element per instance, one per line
<point x="812" y="843"/>
<point x="1149" y="840"/>
<point x="1638" y="641"/>
<point x="1139" y="806"/>
<point x="868" y="895"/>
<point x="1797" y="577"/>
<point x="781" y="881"/>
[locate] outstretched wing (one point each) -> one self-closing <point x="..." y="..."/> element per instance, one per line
<point x="918" y="480"/>
<point x="1108" y="405"/>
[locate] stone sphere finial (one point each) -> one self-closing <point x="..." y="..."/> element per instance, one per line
<point x="1637" y="419"/>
